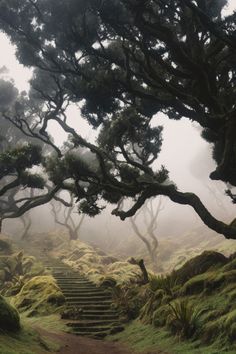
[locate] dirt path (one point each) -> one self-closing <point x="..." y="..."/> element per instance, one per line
<point x="72" y="344"/>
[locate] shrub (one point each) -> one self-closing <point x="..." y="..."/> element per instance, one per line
<point x="163" y="282"/>
<point x="183" y="318"/>
<point x="128" y="300"/>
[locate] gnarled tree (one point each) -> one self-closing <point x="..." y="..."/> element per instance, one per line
<point x="125" y="61"/>
<point x="19" y="155"/>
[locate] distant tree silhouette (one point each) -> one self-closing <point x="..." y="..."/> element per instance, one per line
<point x="66" y="220"/>
<point x="149" y="238"/>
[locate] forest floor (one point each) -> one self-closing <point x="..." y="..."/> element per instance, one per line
<point x="72" y="344"/>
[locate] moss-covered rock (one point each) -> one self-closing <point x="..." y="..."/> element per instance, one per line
<point x="200" y="264"/>
<point x="9" y="317"/>
<point x="40" y="294"/>
<point x="208" y="282"/>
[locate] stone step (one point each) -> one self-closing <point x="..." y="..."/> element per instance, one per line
<point x="58" y="267"/>
<point x="91" y="329"/>
<point x="92" y="324"/>
<point x="96" y="318"/>
<point x="74" y="280"/>
<point x="81" y="287"/>
<point x="64" y="273"/>
<point x="81" y="294"/>
<point x="75" y="289"/>
<point x="67" y="278"/>
<point x="95" y="335"/>
<point x="112" y="318"/>
<point x="86" y="291"/>
<point x="75" y="283"/>
<point x="94" y="297"/>
<point x="96" y="312"/>
<point x="88" y="302"/>
<point x="91" y="306"/>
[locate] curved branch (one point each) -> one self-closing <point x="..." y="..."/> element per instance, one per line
<point x="32" y="203"/>
<point x="191" y="199"/>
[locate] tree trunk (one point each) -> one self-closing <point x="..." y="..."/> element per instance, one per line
<point x="1" y="225"/>
<point x="144" y="271"/>
<point x="141" y="265"/>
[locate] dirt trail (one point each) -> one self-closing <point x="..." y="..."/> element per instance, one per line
<point x="72" y="344"/>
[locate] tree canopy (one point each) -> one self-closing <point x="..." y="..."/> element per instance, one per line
<point x="125" y="61"/>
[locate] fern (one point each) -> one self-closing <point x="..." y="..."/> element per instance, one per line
<point x="165" y="283"/>
<point x="184" y="319"/>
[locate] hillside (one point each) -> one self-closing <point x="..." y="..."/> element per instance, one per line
<point x="190" y="310"/>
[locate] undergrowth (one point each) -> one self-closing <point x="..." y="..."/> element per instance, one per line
<point x="191" y="308"/>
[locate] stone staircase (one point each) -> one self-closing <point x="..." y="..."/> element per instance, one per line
<point x="93" y="304"/>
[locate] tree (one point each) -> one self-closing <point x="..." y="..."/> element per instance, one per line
<point x="149" y="238"/>
<point x="19" y="157"/>
<point x="27" y="222"/>
<point x="125" y="61"/>
<point x="66" y="220"/>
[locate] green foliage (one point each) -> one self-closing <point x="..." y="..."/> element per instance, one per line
<point x="32" y="180"/>
<point x="9" y="317"/>
<point x="163" y="282"/>
<point x="201" y="307"/>
<point x="128" y="300"/>
<point x="90" y="208"/>
<point x="184" y="318"/>
<point x="19" y="159"/>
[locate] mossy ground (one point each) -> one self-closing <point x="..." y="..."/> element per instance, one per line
<point x="140" y="337"/>
<point x="207" y="283"/>
<point x="27" y="340"/>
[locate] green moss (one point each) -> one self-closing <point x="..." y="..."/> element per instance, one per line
<point x="40" y="295"/>
<point x="200" y="264"/>
<point x="9" y="317"/>
<point x="208" y="282"/>
<point x="231" y="265"/>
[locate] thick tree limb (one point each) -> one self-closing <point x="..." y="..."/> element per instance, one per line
<point x="191" y="199"/>
<point x="32" y="203"/>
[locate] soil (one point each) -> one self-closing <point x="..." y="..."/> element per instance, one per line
<point x="72" y="344"/>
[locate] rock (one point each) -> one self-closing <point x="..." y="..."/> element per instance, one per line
<point x="9" y="317"/>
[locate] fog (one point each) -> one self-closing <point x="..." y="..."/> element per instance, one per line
<point x="184" y="153"/>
